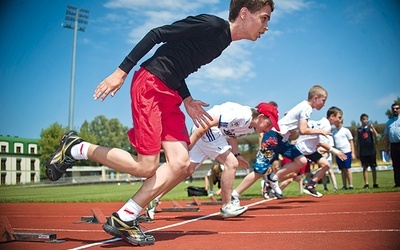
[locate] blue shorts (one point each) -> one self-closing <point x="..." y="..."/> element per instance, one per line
<point x="344" y="164"/>
<point x="271" y="146"/>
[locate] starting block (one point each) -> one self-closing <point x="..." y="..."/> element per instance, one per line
<point x="179" y="208"/>
<point x="97" y="218"/>
<point x="8" y="234"/>
<point x="196" y="201"/>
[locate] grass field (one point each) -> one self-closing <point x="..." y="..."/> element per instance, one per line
<point x="115" y="193"/>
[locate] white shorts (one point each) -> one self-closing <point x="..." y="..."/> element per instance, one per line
<point x="210" y="149"/>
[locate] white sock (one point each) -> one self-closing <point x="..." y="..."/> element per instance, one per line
<point x="129" y="211"/>
<point x="80" y="151"/>
<point x="235" y="194"/>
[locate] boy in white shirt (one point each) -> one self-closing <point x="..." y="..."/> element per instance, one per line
<point x="344" y="141"/>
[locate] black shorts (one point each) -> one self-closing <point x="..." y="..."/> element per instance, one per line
<point x="314" y="156"/>
<point x="368" y="161"/>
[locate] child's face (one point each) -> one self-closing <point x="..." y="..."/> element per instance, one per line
<point x="264" y="124"/>
<point x="319" y="101"/>
<point x="364" y="120"/>
<point x="336" y="120"/>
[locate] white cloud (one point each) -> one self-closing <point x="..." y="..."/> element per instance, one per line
<point x="175" y="5"/>
<point x="388" y="100"/>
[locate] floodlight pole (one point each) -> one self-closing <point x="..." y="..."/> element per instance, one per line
<point x="76" y="19"/>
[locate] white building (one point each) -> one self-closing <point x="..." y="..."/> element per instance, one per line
<point x="20" y="161"/>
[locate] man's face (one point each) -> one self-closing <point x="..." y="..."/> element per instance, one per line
<point x="395" y="110"/>
<point x="256" y="24"/>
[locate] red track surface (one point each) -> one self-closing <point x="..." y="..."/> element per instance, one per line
<point x="360" y="221"/>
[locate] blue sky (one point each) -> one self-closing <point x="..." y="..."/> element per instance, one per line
<point x="352" y="48"/>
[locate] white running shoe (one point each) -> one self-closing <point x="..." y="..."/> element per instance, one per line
<point x="235" y="201"/>
<point x="232" y="210"/>
<point x="274" y="185"/>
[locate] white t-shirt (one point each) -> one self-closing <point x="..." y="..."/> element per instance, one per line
<point x="234" y="121"/>
<point x="307" y="144"/>
<point x="290" y="122"/>
<point x="342" y="139"/>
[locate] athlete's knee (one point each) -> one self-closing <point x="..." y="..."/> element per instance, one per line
<point x="148" y="166"/>
<point x="180" y="164"/>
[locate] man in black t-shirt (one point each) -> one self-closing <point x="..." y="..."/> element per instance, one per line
<point x="157" y="90"/>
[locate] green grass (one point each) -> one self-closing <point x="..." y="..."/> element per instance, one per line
<point x="120" y="193"/>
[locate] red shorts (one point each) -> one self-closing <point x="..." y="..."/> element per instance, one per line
<point x="156" y="114"/>
<point x="303" y="170"/>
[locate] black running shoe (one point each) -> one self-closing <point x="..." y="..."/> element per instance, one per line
<point x="310" y="190"/>
<point x="61" y="159"/>
<point x="128" y="231"/>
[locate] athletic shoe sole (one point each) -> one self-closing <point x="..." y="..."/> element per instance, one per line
<point x="317" y="195"/>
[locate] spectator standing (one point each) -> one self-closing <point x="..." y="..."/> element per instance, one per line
<point x="344" y="141"/>
<point x="365" y="139"/>
<point x="392" y="133"/>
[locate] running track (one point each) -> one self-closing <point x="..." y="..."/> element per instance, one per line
<point x="360" y="221"/>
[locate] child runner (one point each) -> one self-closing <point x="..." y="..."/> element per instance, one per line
<point x="219" y="142"/>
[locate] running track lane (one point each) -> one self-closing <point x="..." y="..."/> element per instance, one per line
<point x="359" y="221"/>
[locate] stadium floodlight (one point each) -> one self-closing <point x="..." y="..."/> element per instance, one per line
<point x="76" y="19"/>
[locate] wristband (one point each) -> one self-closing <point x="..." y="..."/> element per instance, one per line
<point x="334" y="151"/>
<point x="237" y="154"/>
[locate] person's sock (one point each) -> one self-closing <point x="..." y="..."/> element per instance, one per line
<point x="129" y="211"/>
<point x="235" y="194"/>
<point x="80" y="151"/>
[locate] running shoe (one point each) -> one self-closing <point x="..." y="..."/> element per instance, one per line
<point x="310" y="190"/>
<point x="232" y="210"/>
<point x="376" y="186"/>
<point x="151" y="209"/>
<point x="274" y="185"/>
<point x="267" y="191"/>
<point x="128" y="231"/>
<point x="61" y="159"/>
<point x="235" y="201"/>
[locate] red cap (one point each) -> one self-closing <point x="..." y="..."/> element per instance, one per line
<point x="271" y="111"/>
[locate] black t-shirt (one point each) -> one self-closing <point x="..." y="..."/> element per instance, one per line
<point x="366" y="141"/>
<point x="187" y="45"/>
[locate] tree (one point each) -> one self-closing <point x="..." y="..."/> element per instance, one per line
<point x="110" y="133"/>
<point x="389" y="113"/>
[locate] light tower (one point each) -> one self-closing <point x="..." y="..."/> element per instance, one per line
<point x="76" y="19"/>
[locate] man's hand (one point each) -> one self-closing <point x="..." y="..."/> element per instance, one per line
<point x="110" y="85"/>
<point x="195" y="110"/>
